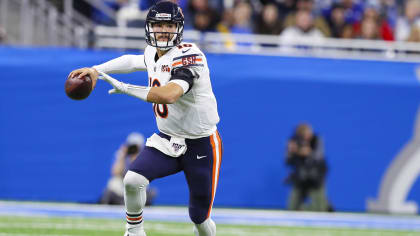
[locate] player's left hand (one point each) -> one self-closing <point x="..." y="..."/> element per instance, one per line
<point x="119" y="87"/>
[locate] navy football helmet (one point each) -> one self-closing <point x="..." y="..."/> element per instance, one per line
<point x="164" y="11"/>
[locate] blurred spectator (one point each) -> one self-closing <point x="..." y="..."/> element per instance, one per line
<point x="318" y="21"/>
<point x="242" y="13"/>
<point x="353" y="11"/>
<point x="126" y="154"/>
<point x="368" y="29"/>
<point x="414" y="34"/>
<point x="372" y="26"/>
<point x="285" y="7"/>
<point x="203" y="16"/>
<point x="338" y="26"/>
<point x="303" y="30"/>
<point x="268" y="21"/>
<point x="323" y="4"/>
<point x="224" y="27"/>
<point x="409" y="20"/>
<point x="305" y="154"/>
<point x="389" y="11"/>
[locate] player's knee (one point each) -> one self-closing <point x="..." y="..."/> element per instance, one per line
<point x="134" y="181"/>
<point x="198" y="215"/>
<point x="197" y="218"/>
<point x="206" y="228"/>
<point x="199" y="208"/>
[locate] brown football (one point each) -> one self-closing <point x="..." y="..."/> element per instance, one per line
<point x="78" y="89"/>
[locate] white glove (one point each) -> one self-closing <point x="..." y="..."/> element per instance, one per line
<point x="119" y="87"/>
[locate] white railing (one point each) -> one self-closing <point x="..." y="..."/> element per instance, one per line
<point x="40" y="23"/>
<point x="133" y="38"/>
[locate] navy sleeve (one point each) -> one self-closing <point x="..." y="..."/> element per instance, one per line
<point x="185" y="74"/>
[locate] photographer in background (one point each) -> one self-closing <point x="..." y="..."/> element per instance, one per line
<point x="305" y="154"/>
<point x="126" y="154"/>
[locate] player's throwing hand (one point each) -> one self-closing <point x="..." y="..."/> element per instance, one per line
<point x="91" y="72"/>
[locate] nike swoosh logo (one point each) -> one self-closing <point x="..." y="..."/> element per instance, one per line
<point x="199" y="157"/>
<point x="186" y="50"/>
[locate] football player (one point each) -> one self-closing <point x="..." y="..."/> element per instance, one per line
<point x="186" y="115"/>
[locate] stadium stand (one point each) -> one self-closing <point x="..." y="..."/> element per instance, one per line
<point x="119" y="24"/>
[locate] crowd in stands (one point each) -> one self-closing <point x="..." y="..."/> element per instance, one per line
<point x="389" y="20"/>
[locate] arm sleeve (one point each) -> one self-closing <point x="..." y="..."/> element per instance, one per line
<point x="123" y="64"/>
<point x="183" y="77"/>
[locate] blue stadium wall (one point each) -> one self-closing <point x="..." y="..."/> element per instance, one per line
<point x="56" y="149"/>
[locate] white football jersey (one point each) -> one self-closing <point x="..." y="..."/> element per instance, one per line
<point x="194" y="114"/>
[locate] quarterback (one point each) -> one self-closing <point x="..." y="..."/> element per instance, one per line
<point x="186" y="115"/>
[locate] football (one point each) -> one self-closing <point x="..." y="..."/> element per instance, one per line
<point x="78" y="88"/>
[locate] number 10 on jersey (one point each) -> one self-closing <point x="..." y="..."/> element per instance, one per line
<point x="160" y="110"/>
